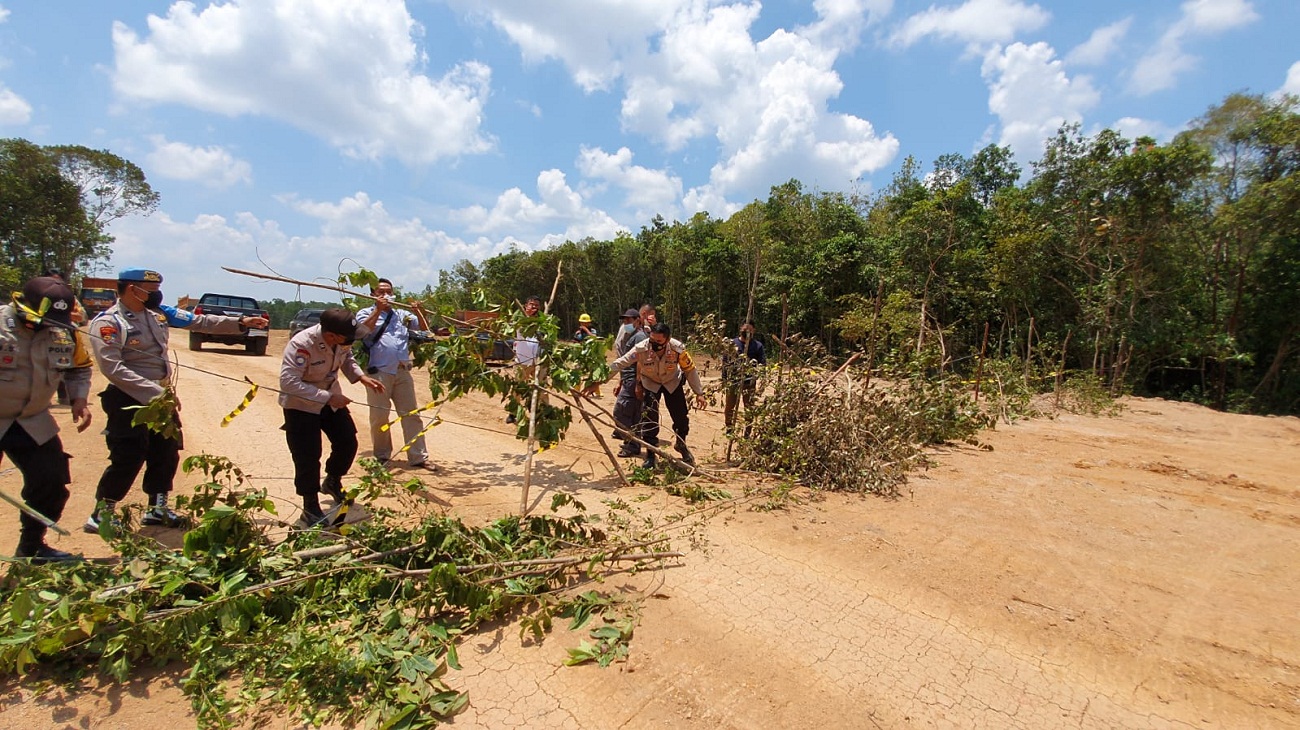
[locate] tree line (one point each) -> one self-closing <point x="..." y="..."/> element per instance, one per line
<point x="1167" y="269"/>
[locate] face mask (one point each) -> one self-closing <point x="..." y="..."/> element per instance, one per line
<point x="152" y="299"/>
<point x="629" y="328"/>
<point x="656" y="346"/>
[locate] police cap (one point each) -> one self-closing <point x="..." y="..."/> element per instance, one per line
<point x="339" y="321"/>
<point x="50" y="298"/>
<point x="139" y="275"/>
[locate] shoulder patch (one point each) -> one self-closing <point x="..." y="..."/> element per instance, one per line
<point x="108" y="333"/>
<point x="300" y="357"/>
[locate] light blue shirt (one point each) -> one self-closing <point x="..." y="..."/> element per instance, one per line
<point x="393" y="346"/>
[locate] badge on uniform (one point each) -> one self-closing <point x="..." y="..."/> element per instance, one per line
<point x="135" y="342"/>
<point x="64" y="362"/>
<point x="108" y="334"/>
<point x="300" y="357"/>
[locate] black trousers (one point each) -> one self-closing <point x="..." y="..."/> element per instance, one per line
<point x="676" y="403"/>
<point x="131" y="447"/>
<point x="302" y="431"/>
<point x="45" y="479"/>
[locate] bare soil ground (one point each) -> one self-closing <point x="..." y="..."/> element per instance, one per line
<point x="1137" y="571"/>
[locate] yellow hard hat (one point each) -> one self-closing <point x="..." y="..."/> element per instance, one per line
<point x="584" y="318"/>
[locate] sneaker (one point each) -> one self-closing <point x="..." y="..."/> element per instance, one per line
<point x="649" y="462"/>
<point x="163" y="516"/>
<point x="45" y="554"/>
<point x="333" y="486"/>
<point x="308" y="520"/>
<point x="629" y="449"/>
<point x="107" y="512"/>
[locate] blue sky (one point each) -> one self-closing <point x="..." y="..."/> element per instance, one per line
<point x="407" y="136"/>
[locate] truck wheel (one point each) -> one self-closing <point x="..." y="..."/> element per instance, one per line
<point x="257" y="347"/>
<point x="196" y="341"/>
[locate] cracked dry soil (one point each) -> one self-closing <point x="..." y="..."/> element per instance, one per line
<point x="1128" y="572"/>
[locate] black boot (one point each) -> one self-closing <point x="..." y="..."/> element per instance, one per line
<point x="650" y="461"/>
<point x="687" y="456"/>
<point x="630" y="448"/>
<point x="42" y="553"/>
<point x="333" y="486"/>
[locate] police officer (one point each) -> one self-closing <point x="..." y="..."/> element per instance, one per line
<point x="37" y="352"/>
<point x="664" y="366"/>
<point x="314" y="403"/>
<point x="129" y="341"/>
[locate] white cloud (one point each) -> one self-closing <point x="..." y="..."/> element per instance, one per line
<point x="1292" y="83"/>
<point x="691" y="70"/>
<point x="976" y="22"/>
<point x="347" y="72"/>
<point x="1134" y="127"/>
<point x="212" y="166"/>
<point x="1216" y="16"/>
<point x="1032" y="96"/>
<point x="353" y="231"/>
<point x="648" y="191"/>
<point x="14" y="109"/>
<point x="1100" y="45"/>
<point x="1160" y="68"/>
<point x="520" y="218"/>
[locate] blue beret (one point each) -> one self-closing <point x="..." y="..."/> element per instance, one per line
<point x="139" y="275"/>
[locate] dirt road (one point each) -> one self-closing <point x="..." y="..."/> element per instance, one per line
<point x="1138" y="571"/>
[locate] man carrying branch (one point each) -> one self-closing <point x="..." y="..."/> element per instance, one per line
<point x="663" y="364"/>
<point x="314" y="403"/>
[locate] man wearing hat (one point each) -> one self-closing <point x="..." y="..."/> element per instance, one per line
<point x="585" y="330"/>
<point x="314" y="403"/>
<point x="38" y="352"/>
<point x="129" y="341"/>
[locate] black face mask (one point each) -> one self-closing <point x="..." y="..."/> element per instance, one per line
<point x="656" y="346"/>
<point x="152" y="299"/>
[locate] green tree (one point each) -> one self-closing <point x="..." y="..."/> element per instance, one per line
<point x="56" y="202"/>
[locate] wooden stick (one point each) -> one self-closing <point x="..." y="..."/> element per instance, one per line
<point x="979" y="371"/>
<point x="1060" y="371"/>
<point x="532" y="408"/>
<point x="678" y="463"/>
<point x="835" y="374"/>
<point x="601" y="440"/>
<point x="34" y="514"/>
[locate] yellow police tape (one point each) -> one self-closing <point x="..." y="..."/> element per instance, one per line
<point x="426" y="407"/>
<point x="407" y="446"/>
<point x="252" y="393"/>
